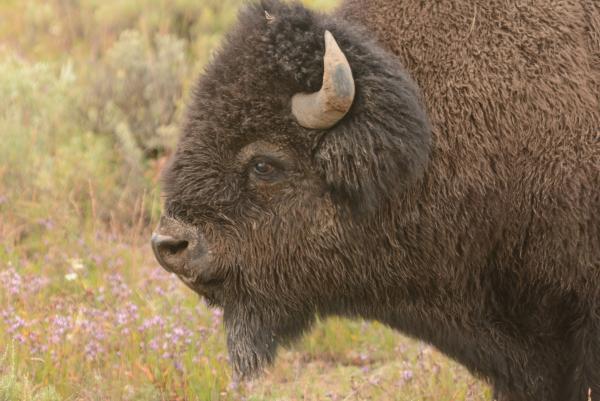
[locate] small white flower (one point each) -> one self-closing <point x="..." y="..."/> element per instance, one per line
<point x="70" y="276"/>
<point x="77" y="264"/>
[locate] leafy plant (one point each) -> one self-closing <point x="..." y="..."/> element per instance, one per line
<point x="136" y="92"/>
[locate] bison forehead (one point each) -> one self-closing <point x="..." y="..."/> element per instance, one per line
<point x="261" y="64"/>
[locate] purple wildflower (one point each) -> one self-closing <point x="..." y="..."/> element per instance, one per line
<point x="11" y="280"/>
<point x="152" y="322"/>
<point x="118" y="286"/>
<point x="36" y="284"/>
<point x="92" y="349"/>
<point x="59" y="326"/>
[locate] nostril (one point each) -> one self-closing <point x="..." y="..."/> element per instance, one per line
<point x="167" y="250"/>
<point x="173" y="247"/>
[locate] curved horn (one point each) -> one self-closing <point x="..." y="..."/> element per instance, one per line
<point x="323" y="109"/>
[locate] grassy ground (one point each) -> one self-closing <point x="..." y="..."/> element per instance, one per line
<point x="90" y="97"/>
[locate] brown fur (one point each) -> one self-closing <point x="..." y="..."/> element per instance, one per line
<point x="512" y="89"/>
<point x="483" y="240"/>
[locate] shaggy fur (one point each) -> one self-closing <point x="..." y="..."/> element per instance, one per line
<point x="466" y="213"/>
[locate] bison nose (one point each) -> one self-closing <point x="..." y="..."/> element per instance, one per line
<point x="169" y="251"/>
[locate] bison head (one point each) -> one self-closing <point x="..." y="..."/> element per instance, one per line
<point x="301" y="135"/>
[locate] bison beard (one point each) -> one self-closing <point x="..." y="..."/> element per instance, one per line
<point x="314" y="178"/>
<point x="251" y="342"/>
<point x="253" y="335"/>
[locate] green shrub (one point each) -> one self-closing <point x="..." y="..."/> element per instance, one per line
<point x="35" y="115"/>
<point x="136" y="92"/>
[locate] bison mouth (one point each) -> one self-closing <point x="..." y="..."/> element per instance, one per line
<point x="211" y="290"/>
<point x="200" y="279"/>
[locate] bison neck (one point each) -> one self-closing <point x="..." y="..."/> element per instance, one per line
<point x="484" y="317"/>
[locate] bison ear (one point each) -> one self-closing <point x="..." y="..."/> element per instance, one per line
<point x="383" y="143"/>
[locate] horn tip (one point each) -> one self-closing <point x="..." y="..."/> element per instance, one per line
<point x="329" y="39"/>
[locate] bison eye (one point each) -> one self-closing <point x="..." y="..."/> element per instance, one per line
<point x="266" y="170"/>
<point x="263" y="168"/>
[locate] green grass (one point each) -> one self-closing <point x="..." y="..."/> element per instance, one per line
<point x="85" y="312"/>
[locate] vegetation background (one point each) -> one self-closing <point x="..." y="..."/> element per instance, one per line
<point x="91" y="93"/>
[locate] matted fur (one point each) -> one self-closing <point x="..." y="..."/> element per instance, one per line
<point x="466" y="213"/>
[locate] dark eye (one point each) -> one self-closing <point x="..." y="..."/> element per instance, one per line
<point x="263" y="168"/>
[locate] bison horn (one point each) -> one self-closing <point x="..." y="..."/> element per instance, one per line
<point x="323" y="109"/>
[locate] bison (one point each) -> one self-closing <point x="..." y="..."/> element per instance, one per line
<point x="432" y="165"/>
